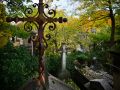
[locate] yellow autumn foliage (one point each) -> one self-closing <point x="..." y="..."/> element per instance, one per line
<point x="4" y="34"/>
<point x="2" y="13"/>
<point x="4" y="37"/>
<point x="3" y="41"/>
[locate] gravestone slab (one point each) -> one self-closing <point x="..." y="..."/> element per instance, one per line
<point x="54" y="84"/>
<point x="100" y="84"/>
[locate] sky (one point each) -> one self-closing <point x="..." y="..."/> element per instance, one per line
<point x="65" y="5"/>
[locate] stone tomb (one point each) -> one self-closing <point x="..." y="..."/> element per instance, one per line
<point x="54" y="84"/>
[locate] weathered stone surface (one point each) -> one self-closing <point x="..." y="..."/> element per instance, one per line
<point x="100" y="84"/>
<point x="54" y="84"/>
<point x="91" y="74"/>
<point x="108" y="78"/>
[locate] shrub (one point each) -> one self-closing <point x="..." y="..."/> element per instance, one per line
<point x="53" y="63"/>
<point x="17" y="66"/>
<point x="76" y="55"/>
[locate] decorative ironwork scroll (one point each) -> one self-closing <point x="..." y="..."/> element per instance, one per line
<point x="41" y="19"/>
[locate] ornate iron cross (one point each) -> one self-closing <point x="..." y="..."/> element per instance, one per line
<point x="40" y="20"/>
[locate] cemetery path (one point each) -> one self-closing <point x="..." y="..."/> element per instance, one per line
<point x="56" y="84"/>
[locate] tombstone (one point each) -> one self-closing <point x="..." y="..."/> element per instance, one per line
<point x="54" y="84"/>
<point x="63" y="57"/>
<point x="108" y="78"/>
<point x="98" y="84"/>
<point x="64" y="72"/>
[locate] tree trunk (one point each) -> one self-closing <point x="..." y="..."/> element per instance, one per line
<point x="112" y="37"/>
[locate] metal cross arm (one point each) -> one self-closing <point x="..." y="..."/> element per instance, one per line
<point x="31" y="19"/>
<point x="40" y="21"/>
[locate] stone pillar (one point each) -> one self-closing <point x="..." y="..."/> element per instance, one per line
<point x="63" y="57"/>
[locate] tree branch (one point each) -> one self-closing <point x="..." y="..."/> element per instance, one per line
<point x="95" y="19"/>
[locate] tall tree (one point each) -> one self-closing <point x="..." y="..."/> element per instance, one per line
<point x="16" y="7"/>
<point x="107" y="5"/>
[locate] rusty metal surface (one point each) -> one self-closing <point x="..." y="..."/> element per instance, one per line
<point x="40" y="20"/>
